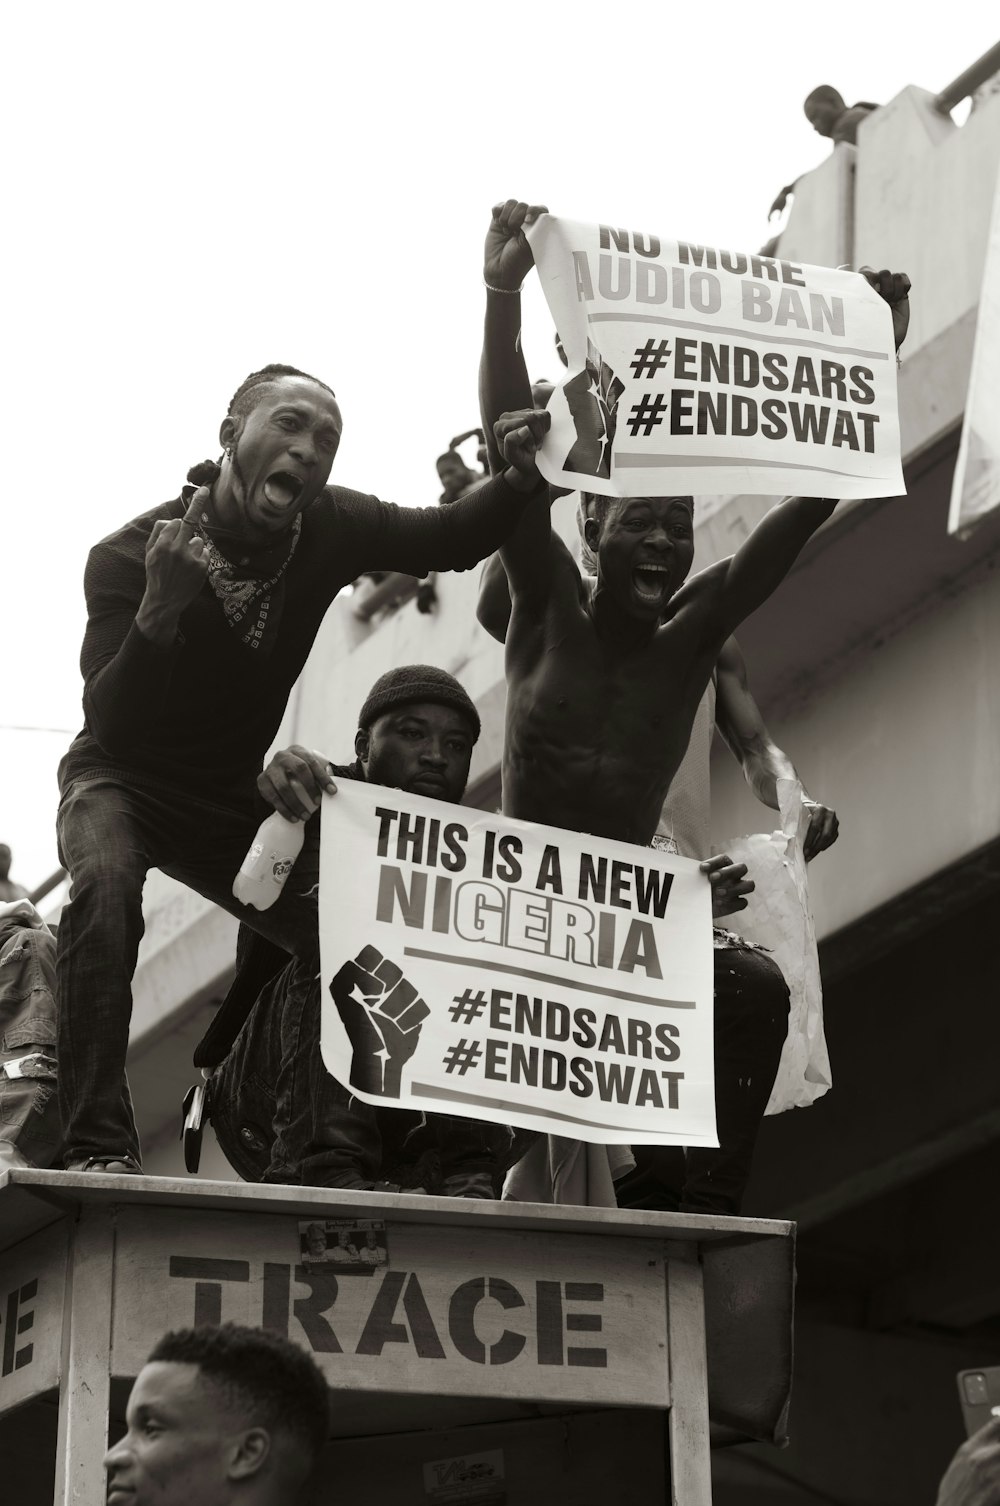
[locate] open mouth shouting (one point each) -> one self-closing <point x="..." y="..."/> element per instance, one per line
<point x="282" y="490"/>
<point x="651" y="583"/>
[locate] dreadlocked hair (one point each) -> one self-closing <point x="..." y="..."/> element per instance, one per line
<point x="241" y="403"/>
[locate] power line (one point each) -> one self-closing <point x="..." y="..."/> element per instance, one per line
<point x="12" y="727"/>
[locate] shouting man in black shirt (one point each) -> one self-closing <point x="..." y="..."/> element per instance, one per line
<point x="201" y="614"/>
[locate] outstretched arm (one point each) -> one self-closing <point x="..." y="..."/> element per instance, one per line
<point x="782" y="199"/>
<point x="505" y="392"/>
<point x="503" y="376"/>
<point x="746" y="580"/>
<point x="417" y="540"/>
<point x="493" y="608"/>
<point x="763" y="561"/>
<point x="740" y="722"/>
<point x="532" y="553"/>
<point x="507" y="260"/>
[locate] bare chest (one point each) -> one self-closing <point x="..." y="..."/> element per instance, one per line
<point x="594" y="734"/>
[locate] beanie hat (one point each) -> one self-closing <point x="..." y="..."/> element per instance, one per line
<point x="416" y="682"/>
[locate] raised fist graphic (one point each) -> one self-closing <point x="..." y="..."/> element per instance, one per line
<point x="382" y="1014"/>
<point x="592" y="397"/>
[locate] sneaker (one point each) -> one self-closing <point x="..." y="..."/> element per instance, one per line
<point x="115" y="1166"/>
<point x="349" y="1181"/>
<point x="477" y="1184"/>
<point x="424" y="1176"/>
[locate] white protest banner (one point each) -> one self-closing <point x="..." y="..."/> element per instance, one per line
<point x="975" y="489"/>
<point x="693" y="370"/>
<point x="477" y="965"/>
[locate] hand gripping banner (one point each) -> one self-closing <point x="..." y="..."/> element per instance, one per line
<point x="477" y="965"/>
<point x="693" y="370"/>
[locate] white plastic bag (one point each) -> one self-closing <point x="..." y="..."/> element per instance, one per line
<point x="778" y="917"/>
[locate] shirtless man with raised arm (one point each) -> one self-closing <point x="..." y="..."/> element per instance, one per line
<point x="592" y="665"/>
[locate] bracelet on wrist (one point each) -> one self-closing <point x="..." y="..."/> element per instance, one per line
<point x="508" y="292"/>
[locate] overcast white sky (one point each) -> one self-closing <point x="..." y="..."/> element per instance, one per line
<point x="197" y="189"/>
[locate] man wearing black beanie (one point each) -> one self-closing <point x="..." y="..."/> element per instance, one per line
<point x="410" y="683"/>
<point x="278" y="1114"/>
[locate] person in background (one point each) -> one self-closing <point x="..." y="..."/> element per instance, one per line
<point x="829" y="116"/>
<point x="29" y="1110"/>
<point x="8" y="889"/>
<point x="482" y="459"/>
<point x="226" y="1416"/>
<point x="456" y="478"/>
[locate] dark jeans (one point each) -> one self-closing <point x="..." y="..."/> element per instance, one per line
<point x="110" y="835"/>
<point x="279" y="1116"/>
<point x="751" y="1023"/>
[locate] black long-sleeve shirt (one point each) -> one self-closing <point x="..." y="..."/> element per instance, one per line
<point x="202" y="712"/>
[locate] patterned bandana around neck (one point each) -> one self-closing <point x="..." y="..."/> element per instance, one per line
<point x="251" y="602"/>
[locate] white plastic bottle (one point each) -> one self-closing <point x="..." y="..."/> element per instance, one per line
<point x="270" y="860"/>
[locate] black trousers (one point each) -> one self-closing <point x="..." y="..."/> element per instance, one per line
<point x="751" y="1023"/>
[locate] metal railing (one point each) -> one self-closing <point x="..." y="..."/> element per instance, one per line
<point x="47" y="885"/>
<point x="969" y="81"/>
